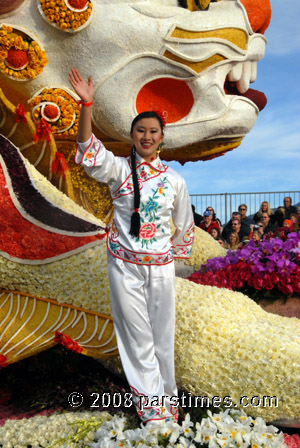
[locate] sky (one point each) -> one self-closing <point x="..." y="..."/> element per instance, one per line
<point x="268" y="158"/>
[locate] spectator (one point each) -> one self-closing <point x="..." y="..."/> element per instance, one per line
<point x="197" y="218"/>
<point x="256" y="236"/>
<point x="260" y="227"/>
<point x="279" y="216"/>
<point x="208" y="224"/>
<point x="215" y="233"/>
<point x="298" y="212"/>
<point x="222" y="242"/>
<point x="288" y="207"/>
<point x="233" y="240"/>
<point x="295" y="221"/>
<point x="288" y="223"/>
<point x="243" y="211"/>
<point x="214" y="218"/>
<point x="294" y="218"/>
<point x="264" y="207"/>
<point x="244" y="229"/>
<point x="268" y="226"/>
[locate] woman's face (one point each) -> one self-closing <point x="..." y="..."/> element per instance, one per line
<point x="214" y="233"/>
<point x="146" y="137"/>
<point x="255" y="237"/>
<point x="264" y="207"/>
<point x="232" y="238"/>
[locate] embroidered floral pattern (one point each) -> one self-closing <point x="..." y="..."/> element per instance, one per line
<point x="90" y="155"/>
<point x="150" y="210"/>
<point x="125" y="254"/>
<point x="154" y="412"/>
<point x="147" y="231"/>
<point x="144" y="173"/>
<point x="185" y="250"/>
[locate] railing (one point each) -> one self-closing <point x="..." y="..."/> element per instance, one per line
<point x="226" y="203"/>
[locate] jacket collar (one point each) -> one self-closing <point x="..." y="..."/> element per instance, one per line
<point x="156" y="164"/>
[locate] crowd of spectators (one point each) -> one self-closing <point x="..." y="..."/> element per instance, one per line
<point x="241" y="228"/>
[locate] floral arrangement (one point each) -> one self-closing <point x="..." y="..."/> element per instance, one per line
<point x="101" y="430"/>
<point x="273" y="265"/>
<point x="21" y="57"/>
<point x="68" y="15"/>
<point x="59" y="108"/>
<point x="204" y="248"/>
<point x="67" y="342"/>
<point x="218" y="331"/>
<point x="68" y="429"/>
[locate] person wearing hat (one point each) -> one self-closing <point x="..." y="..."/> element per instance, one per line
<point x="208" y="224"/>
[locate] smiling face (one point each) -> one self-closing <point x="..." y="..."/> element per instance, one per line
<point x="146" y="137"/>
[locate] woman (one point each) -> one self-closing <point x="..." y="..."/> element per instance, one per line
<point x="233" y="241"/>
<point x="256" y="236"/>
<point x="215" y="233"/>
<point x="146" y="194"/>
<point x="264" y="208"/>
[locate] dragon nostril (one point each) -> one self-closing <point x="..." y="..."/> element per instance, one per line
<point x="166" y="94"/>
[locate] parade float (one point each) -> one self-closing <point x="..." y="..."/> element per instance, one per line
<point x="193" y="60"/>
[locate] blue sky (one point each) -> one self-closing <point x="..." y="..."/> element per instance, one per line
<point x="269" y="157"/>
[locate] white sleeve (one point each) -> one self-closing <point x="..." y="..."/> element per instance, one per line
<point x="97" y="161"/>
<point x="183" y="220"/>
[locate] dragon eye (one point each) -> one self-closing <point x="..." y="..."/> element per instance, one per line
<point x="167" y="94"/>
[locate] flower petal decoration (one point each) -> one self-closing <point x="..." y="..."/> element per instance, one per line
<point x="67" y="15"/>
<point x="32" y="227"/>
<point x="59" y="107"/>
<point x="30" y="325"/>
<point x="22" y="57"/>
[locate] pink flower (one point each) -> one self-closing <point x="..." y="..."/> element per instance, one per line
<point x="292" y="441"/>
<point x="147" y="230"/>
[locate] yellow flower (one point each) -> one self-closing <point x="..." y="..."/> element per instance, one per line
<point x="19" y="43"/>
<point x="31" y="73"/>
<point x="3" y="54"/>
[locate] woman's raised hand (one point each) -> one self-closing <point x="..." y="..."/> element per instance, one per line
<point x="83" y="89"/>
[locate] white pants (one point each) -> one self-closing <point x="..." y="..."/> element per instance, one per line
<point x="143" y="306"/>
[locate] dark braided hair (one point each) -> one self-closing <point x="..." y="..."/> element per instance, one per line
<point x="135" y="224"/>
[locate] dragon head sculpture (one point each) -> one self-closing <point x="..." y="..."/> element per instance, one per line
<point x="193" y="60"/>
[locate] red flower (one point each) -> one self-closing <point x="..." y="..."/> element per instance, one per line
<point x="59" y="164"/>
<point x="17" y="58"/>
<point x="43" y="131"/>
<point x="3" y="362"/>
<point x="21" y="113"/>
<point x="67" y="342"/>
<point x="78" y="4"/>
<point x="147" y="230"/>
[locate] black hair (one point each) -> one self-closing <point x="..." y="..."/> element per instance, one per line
<point x="135" y="223"/>
<point x="147" y="114"/>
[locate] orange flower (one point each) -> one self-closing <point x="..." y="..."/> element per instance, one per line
<point x="3" y="54"/>
<point x="147" y="258"/>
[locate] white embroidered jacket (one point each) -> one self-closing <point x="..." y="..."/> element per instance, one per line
<point x="163" y="195"/>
